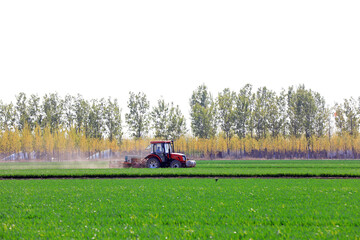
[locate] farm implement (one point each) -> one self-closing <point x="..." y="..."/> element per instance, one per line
<point x="161" y="156"/>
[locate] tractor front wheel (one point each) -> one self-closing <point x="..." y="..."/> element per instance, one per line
<point x="175" y="164"/>
<point x="153" y="163"/>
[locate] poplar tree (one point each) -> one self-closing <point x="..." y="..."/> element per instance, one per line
<point x="176" y="126"/>
<point x="72" y="141"/>
<point x="167" y="121"/>
<point x="276" y="115"/>
<point x="203" y="113"/>
<point x="60" y="144"/>
<point x="34" y="111"/>
<point x="226" y="114"/>
<point x="68" y="118"/>
<point x="95" y="119"/>
<point x="352" y="116"/>
<point x="138" y="117"/>
<point x="322" y="115"/>
<point x="52" y="109"/>
<point x="295" y="111"/>
<point x="159" y="119"/>
<point x="261" y="114"/>
<point x="3" y="142"/>
<point x="112" y="121"/>
<point x="81" y="109"/>
<point x="26" y="140"/>
<point x="14" y="141"/>
<point x="48" y="142"/>
<point x="243" y="110"/>
<point x="22" y="114"/>
<point x="37" y="141"/>
<point x="308" y="113"/>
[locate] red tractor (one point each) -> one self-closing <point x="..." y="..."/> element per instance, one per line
<point x="162" y="155"/>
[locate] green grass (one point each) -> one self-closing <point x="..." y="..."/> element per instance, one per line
<point x="220" y="168"/>
<point x="180" y="209"/>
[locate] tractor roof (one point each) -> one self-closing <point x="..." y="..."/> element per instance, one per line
<point x="160" y="141"/>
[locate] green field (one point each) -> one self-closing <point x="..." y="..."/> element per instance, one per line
<point x="220" y="168"/>
<point x="180" y="209"/>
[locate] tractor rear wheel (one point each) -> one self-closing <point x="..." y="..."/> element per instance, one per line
<point x="153" y="163"/>
<point x="175" y="164"/>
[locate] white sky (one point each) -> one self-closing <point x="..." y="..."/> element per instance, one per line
<point x="168" y="48"/>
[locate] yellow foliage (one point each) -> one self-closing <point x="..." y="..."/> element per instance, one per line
<point x="26" y="139"/>
<point x="282" y="144"/>
<point x="48" y="141"/>
<point x="38" y="140"/>
<point x="261" y="144"/>
<point x="114" y="146"/>
<point x="347" y="141"/>
<point x="247" y="144"/>
<point x="357" y="144"/>
<point x="251" y="144"/>
<point x="14" y="141"/>
<point x="60" y="142"/>
<point x="222" y="146"/>
<point x="213" y="145"/>
<point x="235" y="144"/>
<point x="180" y="144"/>
<point x="303" y="143"/>
<point x="4" y="142"/>
<point x="336" y="143"/>
<point x="83" y="143"/>
<point x="315" y="144"/>
<point x="70" y="141"/>
<point x="325" y="144"/>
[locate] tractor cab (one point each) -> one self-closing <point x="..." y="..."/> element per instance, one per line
<point x="163" y="149"/>
<point x="162" y="155"/>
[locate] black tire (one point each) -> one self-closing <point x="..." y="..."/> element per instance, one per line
<point x="175" y="164"/>
<point x="153" y="163"/>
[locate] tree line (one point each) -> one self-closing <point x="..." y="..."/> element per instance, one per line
<point x="294" y="115"/>
<point x="231" y="121"/>
<point x="295" y="112"/>
<point x="72" y="126"/>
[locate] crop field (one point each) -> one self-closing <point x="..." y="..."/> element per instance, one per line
<point x="180" y="209"/>
<point x="213" y="168"/>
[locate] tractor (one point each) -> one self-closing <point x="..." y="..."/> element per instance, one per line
<point x="162" y="155"/>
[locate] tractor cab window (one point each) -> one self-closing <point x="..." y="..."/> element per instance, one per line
<point x="158" y="148"/>
<point x="168" y="148"/>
